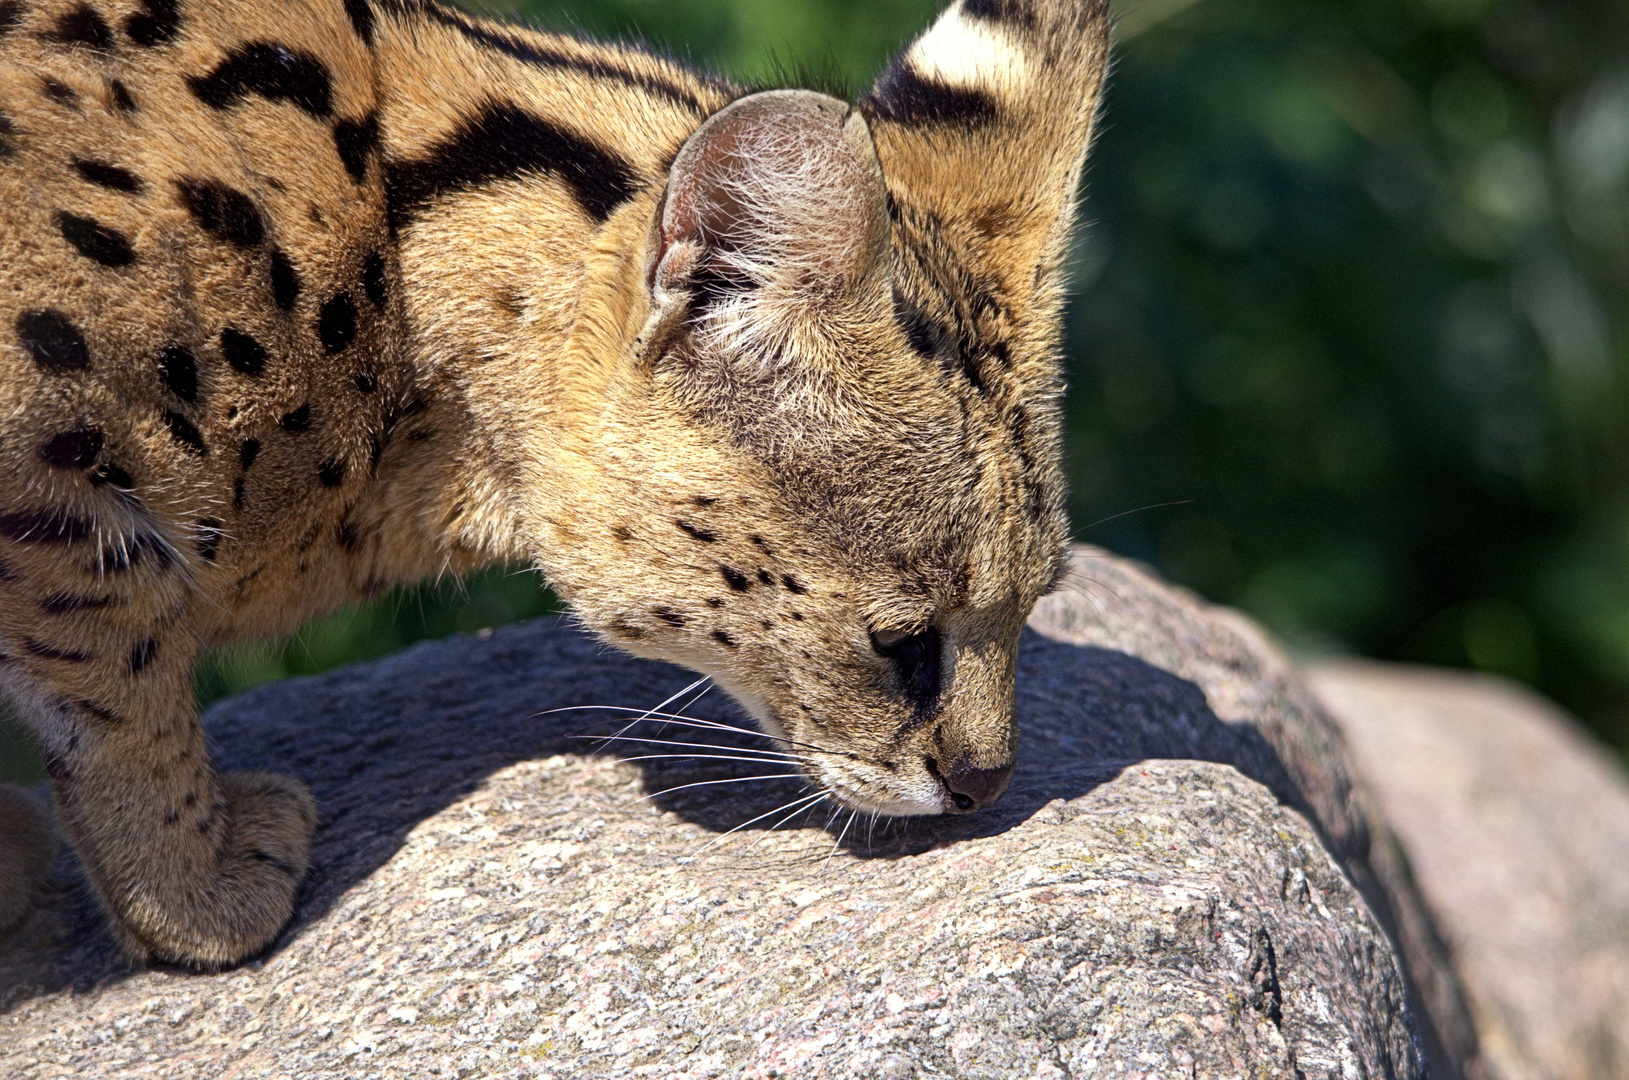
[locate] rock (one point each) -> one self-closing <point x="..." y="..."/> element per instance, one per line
<point x="1517" y="826"/>
<point x="1166" y="889"/>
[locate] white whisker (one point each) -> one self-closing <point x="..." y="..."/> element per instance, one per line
<point x="704" y="783"/>
<point x="834" y="847"/>
<point x="711" y="757"/>
<point x="663" y="704"/>
<point x="777" y="755"/>
<point x="693" y="721"/>
<point x="817" y="796"/>
<point x="771" y="828"/>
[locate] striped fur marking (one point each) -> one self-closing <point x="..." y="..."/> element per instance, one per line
<point x="505" y="142"/>
<point x="361" y="16"/>
<point x="542" y="56"/>
<point x="903" y="96"/>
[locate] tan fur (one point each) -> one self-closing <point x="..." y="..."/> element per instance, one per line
<point x="772" y="396"/>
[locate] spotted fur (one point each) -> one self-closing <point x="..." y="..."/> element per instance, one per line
<point x="308" y="298"/>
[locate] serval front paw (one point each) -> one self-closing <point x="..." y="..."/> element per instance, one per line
<point x="218" y="919"/>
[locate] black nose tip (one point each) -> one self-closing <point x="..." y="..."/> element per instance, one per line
<point x="971" y="788"/>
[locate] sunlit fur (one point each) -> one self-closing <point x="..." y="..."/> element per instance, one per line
<point x="750" y="378"/>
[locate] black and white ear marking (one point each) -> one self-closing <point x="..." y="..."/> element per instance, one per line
<point x="780" y="189"/>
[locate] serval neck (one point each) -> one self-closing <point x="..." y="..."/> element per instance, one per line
<point x="522" y="172"/>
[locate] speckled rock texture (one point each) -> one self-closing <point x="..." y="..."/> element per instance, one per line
<point x="1167" y="890"/>
<point x="1517" y="826"/>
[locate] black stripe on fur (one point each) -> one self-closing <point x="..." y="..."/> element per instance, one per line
<point x="504" y="142"/>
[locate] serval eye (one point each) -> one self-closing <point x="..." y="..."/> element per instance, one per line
<point x="889" y="641"/>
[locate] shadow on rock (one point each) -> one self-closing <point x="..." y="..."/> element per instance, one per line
<point x="388" y="744"/>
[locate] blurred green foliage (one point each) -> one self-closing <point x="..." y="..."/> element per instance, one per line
<point x="1352" y="290"/>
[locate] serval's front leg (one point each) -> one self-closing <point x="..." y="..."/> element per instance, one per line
<point x="194" y="866"/>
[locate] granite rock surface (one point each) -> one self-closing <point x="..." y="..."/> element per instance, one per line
<point x="1517" y="827"/>
<point x="1185" y="879"/>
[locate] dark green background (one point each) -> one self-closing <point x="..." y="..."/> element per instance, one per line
<point x="1352" y="286"/>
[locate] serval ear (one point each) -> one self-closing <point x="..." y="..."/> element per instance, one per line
<point x="778" y="195"/>
<point x="982" y="127"/>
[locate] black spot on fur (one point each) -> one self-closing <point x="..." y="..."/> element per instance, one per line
<point x="61" y="603"/>
<point x="11" y="16"/>
<point x="156" y="25"/>
<point x="703" y="500"/>
<point x="59" y="92"/>
<point x="331" y="473"/>
<point x="336" y="325"/>
<point x="669" y="616"/>
<point x="208" y="536"/>
<point x="715" y="602"/>
<point x="297" y="420"/>
<point x="225" y="213"/>
<point x="798" y="615"/>
<point x="185" y="432"/>
<point x="793" y="584"/>
<point x="905" y="97"/>
<point x="7" y="129"/>
<point x="73" y="449"/>
<point x="53" y="341"/>
<point x="237" y="494"/>
<point x="179" y="370"/>
<point x="356" y="141"/>
<point x="735" y="578"/>
<point x="112" y="474"/>
<point x="724" y="639"/>
<point x="704" y="535"/>
<point x="96" y="241"/>
<point x="365" y="382"/>
<point x="765" y="577"/>
<point x="51" y="652"/>
<point x="109" y="176"/>
<point x="760" y="543"/>
<point x="142" y="655"/>
<point x="373" y="280"/>
<point x="123" y="100"/>
<point x="81" y="25"/>
<point x="622" y="533"/>
<point x="248" y="452"/>
<point x="929" y="338"/>
<point x="346" y="536"/>
<point x="243" y="352"/>
<point x="503" y="142"/>
<point x="361" y="19"/>
<point x="285" y="280"/>
<point x="273" y="71"/>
